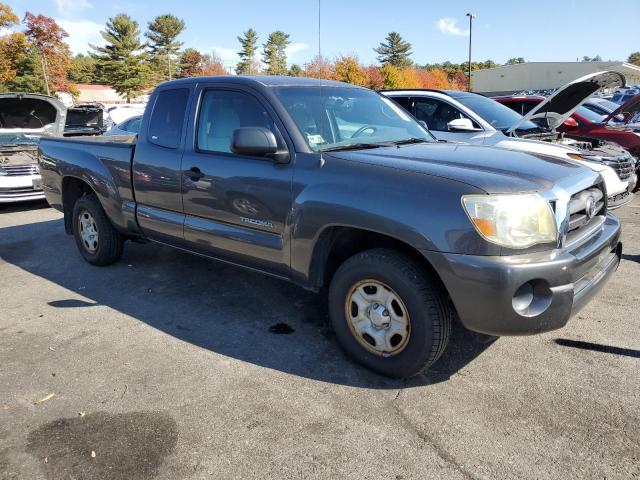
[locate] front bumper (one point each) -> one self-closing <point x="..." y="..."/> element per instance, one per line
<point x="20" y="188"/>
<point x="487" y="292"/>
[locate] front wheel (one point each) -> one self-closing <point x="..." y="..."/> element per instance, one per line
<point x="388" y="314"/>
<point x="99" y="243"/>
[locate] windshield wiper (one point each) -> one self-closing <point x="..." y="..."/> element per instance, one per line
<point x="408" y="141"/>
<point x="354" y="146"/>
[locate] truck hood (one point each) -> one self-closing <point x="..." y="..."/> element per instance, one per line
<point x="493" y="170"/>
<point x="563" y="102"/>
<point x="31" y="114"/>
<point x="631" y="107"/>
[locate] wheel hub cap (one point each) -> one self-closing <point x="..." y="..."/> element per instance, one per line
<point x="88" y="231"/>
<point x="377" y="317"/>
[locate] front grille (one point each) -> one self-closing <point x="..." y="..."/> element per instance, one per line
<point x="17" y="190"/>
<point x="585" y="207"/>
<point x="623" y="166"/>
<point x="15" y="170"/>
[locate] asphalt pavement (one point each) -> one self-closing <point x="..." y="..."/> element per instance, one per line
<point x="169" y="366"/>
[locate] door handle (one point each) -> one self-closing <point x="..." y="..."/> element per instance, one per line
<point x="194" y="174"/>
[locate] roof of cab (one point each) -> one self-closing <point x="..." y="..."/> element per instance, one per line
<point x="263" y="80"/>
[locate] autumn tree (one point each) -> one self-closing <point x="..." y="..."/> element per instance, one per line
<point x="47" y="38"/>
<point x="274" y="53"/>
<point x="190" y="63"/>
<point x="162" y="33"/>
<point x="394" y="51"/>
<point x="212" y="65"/>
<point x="123" y="61"/>
<point x="348" y="69"/>
<point x="375" y="80"/>
<point x="248" y="64"/>
<point x="634" y="58"/>
<point x="7" y="17"/>
<point x="319" y="67"/>
<point x="391" y="77"/>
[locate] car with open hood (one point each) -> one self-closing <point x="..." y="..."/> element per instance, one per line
<point x="472" y="118"/>
<point x="24" y="120"/>
<point x="87" y="119"/>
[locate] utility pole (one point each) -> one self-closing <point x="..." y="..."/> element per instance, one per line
<point x="319" y="49"/>
<point x="471" y="17"/>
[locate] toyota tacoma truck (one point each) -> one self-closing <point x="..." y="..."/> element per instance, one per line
<point x="24" y="119"/>
<point x="330" y="185"/>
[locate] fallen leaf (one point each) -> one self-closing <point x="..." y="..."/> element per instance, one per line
<point x="82" y="414"/>
<point x="93" y="454"/>
<point x="52" y="349"/>
<point x="46" y="459"/>
<point x="44" y="399"/>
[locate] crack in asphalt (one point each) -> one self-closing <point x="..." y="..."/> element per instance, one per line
<point x="440" y="451"/>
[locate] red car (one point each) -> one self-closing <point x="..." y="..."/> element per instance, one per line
<point x="585" y="123"/>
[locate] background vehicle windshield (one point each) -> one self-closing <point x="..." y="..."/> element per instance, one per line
<point x="590" y="114"/>
<point x="18" y="139"/>
<point x="497" y="115"/>
<point x="334" y="117"/>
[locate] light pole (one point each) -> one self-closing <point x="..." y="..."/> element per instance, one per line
<point x="471" y="17"/>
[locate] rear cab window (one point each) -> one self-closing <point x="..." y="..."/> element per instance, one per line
<point x="167" y="117"/>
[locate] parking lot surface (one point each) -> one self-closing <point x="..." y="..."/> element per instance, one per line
<point x="170" y="366"/>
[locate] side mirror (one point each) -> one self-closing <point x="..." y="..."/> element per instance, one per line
<point x="257" y="142"/>
<point x="570" y="123"/>
<point x="461" y="125"/>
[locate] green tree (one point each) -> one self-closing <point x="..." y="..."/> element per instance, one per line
<point x="296" y="71"/>
<point x="597" y="58"/>
<point x="274" y="53"/>
<point x="122" y="62"/>
<point x="394" y="51"/>
<point x="515" y="61"/>
<point x="162" y="33"/>
<point x="248" y="64"/>
<point x="634" y="58"/>
<point x="82" y="69"/>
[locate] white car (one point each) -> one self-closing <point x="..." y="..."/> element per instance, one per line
<point x="472" y="118"/>
<point x="24" y="118"/>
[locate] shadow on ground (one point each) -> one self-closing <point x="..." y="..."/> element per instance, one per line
<point x="214" y="306"/>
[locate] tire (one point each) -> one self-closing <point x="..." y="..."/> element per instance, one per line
<point x="106" y="246"/>
<point x="423" y="306"/>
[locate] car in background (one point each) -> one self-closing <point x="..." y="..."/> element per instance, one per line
<point x="589" y="125"/>
<point x="128" y="127"/>
<point x="24" y="119"/>
<point x="120" y="113"/>
<point x="86" y="119"/>
<point x="472" y="118"/>
<point x="603" y="106"/>
<point x="624" y="94"/>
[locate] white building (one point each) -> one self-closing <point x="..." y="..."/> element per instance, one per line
<point x="543" y="75"/>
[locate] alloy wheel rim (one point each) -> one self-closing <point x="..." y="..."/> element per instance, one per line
<point x="377" y="317"/>
<point x="88" y="231"/>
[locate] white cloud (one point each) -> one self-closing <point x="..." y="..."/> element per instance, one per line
<point x="68" y="8"/>
<point x="296" y="48"/>
<point x="449" y="26"/>
<point x="81" y="34"/>
<point x="228" y="56"/>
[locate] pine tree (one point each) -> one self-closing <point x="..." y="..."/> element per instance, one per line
<point x="395" y="51"/>
<point x="162" y="34"/>
<point x="248" y="65"/>
<point x="122" y="62"/>
<point x="274" y="53"/>
<point x="191" y="63"/>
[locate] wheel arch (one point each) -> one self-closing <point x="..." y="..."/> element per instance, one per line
<point x="72" y="189"/>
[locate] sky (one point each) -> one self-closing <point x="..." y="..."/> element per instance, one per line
<point x="542" y="30"/>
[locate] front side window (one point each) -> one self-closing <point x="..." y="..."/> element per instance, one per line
<point x="167" y="117"/>
<point x="437" y="114"/>
<point x="134" y="125"/>
<point x="334" y="118"/>
<point x="222" y="112"/>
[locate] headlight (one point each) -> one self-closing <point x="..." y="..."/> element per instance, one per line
<point x="514" y="221"/>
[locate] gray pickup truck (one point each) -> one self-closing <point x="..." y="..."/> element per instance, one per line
<point x="330" y="185"/>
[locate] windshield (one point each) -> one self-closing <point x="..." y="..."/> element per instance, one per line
<point x="590" y="114"/>
<point x="18" y="139"/>
<point x="497" y="115"/>
<point x="332" y="118"/>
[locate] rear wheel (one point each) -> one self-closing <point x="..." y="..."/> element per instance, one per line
<point x="388" y="314"/>
<point x="98" y="242"/>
